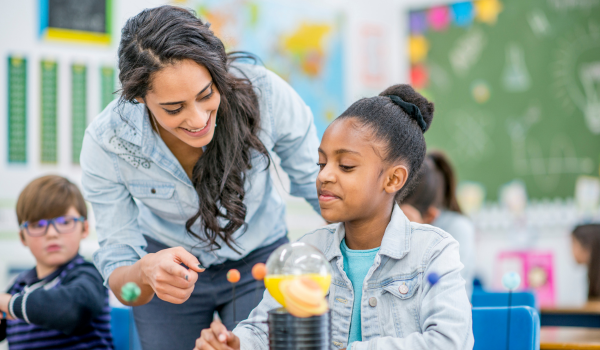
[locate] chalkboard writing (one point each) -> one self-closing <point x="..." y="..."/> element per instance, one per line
<point x="82" y="15"/>
<point x="516" y="87"/>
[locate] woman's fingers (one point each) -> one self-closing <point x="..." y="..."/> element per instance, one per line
<point x="173" y="294"/>
<point x="183" y="256"/>
<point x="208" y="340"/>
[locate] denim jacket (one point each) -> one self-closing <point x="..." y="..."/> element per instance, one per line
<point x="137" y="187"/>
<point x="425" y="317"/>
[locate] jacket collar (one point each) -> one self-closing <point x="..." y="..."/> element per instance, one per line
<point x="395" y="243"/>
<point x="136" y="129"/>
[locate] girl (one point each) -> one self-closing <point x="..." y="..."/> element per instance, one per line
<point x="379" y="297"/>
<point x="176" y="172"/>
<point x="433" y="201"/>
<point x="586" y="251"/>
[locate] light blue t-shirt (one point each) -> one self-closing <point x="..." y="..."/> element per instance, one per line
<point x="356" y="265"/>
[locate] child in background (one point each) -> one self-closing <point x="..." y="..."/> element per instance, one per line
<point x="61" y="303"/>
<point x="433" y="201"/>
<point x="586" y="251"/>
<point x="380" y="297"/>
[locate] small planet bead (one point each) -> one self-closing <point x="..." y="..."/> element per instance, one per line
<point x="233" y="276"/>
<point x="130" y="292"/>
<point x="511" y="280"/>
<point x="259" y="271"/>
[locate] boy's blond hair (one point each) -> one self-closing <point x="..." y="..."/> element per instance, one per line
<point x="48" y="197"/>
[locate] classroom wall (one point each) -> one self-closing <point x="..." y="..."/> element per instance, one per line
<point x="18" y="28"/>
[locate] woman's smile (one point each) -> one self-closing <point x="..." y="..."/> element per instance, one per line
<point x="200" y="131"/>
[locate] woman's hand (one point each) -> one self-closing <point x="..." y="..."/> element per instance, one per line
<point x="217" y="337"/>
<point x="170" y="281"/>
<point x="159" y="273"/>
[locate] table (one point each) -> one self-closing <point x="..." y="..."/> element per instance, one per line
<point x="587" y="315"/>
<point x="569" y="338"/>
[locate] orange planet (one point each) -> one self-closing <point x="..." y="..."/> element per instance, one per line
<point x="303" y="297"/>
<point x="233" y="276"/>
<point x="259" y="271"/>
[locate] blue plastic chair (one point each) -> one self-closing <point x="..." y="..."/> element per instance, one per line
<point x="125" y="336"/>
<point x="482" y="298"/>
<point x="490" y="328"/>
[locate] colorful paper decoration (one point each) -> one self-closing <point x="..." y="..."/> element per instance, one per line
<point x="439" y="18"/>
<point x="463" y="13"/>
<point x="418" y="47"/>
<point x="537" y="272"/>
<point x="17" y="109"/>
<point x="487" y="11"/>
<point x="418" y="22"/>
<point x="76" y="21"/>
<point x="419" y="76"/>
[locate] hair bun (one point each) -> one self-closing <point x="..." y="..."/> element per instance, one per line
<point x="408" y="94"/>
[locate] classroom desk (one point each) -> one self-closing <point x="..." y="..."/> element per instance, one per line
<point x="587" y="315"/>
<point x="569" y="338"/>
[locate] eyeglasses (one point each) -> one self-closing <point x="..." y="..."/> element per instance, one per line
<point x="62" y="224"/>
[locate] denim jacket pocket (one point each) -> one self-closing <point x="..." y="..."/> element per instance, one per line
<point x="400" y="295"/>
<point x="159" y="197"/>
<point x="403" y="288"/>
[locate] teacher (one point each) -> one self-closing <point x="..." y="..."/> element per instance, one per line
<point x="177" y="174"/>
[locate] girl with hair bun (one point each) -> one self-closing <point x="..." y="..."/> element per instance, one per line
<point x="381" y="298"/>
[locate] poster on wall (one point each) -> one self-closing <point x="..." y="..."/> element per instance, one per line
<point x="49" y="102"/>
<point x="303" y="45"/>
<point x="107" y="86"/>
<point x="82" y="21"/>
<point x="78" y="109"/>
<point x="17" y="109"/>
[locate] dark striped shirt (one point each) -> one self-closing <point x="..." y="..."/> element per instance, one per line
<point x="66" y="310"/>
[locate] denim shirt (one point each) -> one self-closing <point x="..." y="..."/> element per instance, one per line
<point x="137" y="187"/>
<point x="425" y="317"/>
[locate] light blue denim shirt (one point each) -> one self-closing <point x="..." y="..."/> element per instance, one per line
<point x="137" y="187"/>
<point x="424" y="317"/>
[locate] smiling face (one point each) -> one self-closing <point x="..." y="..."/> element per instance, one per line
<point x="184" y="102"/>
<point x="55" y="249"/>
<point x="354" y="182"/>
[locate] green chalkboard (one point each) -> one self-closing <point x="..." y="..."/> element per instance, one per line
<point x="516" y="87"/>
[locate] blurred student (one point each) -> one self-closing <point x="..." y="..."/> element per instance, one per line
<point x="586" y="251"/>
<point x="61" y="303"/>
<point x="433" y="201"/>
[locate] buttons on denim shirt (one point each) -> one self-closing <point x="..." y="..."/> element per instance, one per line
<point x="403" y="289"/>
<point x="153" y="191"/>
<point x="373" y="302"/>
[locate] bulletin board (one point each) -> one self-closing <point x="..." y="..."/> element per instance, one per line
<point x="516" y="87"/>
<point x="82" y="21"/>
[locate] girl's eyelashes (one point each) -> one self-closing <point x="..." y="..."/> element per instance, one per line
<point x="207" y="96"/>
<point x="347" y="168"/>
<point x="321" y="165"/>
<point x="174" y="111"/>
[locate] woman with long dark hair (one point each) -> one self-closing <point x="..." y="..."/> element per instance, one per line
<point x="177" y="174"/>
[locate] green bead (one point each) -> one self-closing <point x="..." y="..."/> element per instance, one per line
<point x="130" y="292"/>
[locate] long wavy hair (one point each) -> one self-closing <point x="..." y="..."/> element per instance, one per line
<point x="162" y="36"/>
<point x="589" y="237"/>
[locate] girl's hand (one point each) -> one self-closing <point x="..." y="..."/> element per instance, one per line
<point x="170" y="281"/>
<point x="217" y="337"/>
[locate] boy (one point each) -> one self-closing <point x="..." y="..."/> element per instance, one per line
<point x="61" y="303"/>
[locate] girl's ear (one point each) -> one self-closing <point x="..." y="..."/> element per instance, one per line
<point x="396" y="178"/>
<point x="430" y="215"/>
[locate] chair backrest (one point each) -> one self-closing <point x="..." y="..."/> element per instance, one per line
<point x="123" y="329"/>
<point x="483" y="298"/>
<point x="490" y="328"/>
